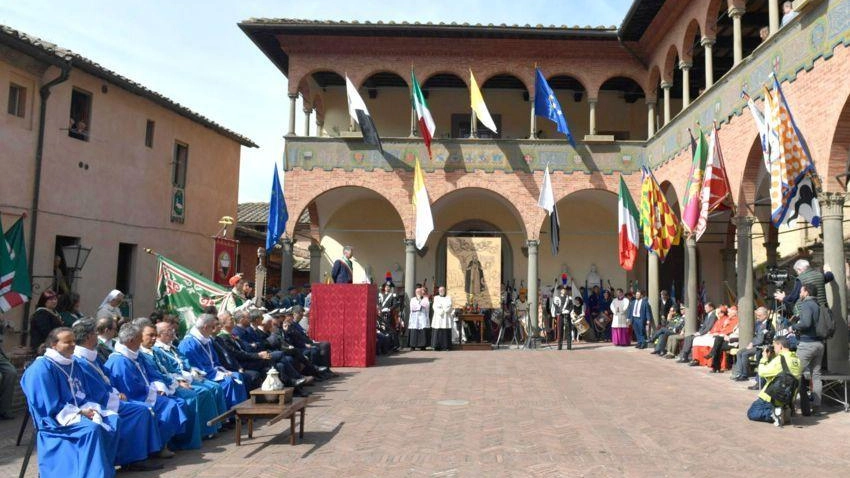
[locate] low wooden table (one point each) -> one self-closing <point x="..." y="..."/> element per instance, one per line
<point x="282" y="406"/>
<point x="481" y="344"/>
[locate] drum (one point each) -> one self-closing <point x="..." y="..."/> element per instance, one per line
<point x="580" y="324"/>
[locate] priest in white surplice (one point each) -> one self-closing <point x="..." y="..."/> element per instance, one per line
<point x="442" y="322"/>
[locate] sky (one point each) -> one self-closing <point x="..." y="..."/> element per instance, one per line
<point x="192" y="51"/>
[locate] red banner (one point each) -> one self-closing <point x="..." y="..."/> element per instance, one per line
<point x="224" y="260"/>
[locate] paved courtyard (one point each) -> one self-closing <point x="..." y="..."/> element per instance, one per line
<point x="594" y="411"/>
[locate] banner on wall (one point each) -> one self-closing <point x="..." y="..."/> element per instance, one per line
<point x="224" y="260"/>
<point x="474" y="270"/>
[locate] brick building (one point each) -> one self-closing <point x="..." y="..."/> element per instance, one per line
<point x="630" y="93"/>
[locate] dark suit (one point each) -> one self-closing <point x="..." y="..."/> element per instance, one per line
<point x="341" y="272"/>
<point x="664" y="310"/>
<point x="706" y="326"/>
<point x="253" y="377"/>
<point x="640" y="314"/>
<point x="103" y="351"/>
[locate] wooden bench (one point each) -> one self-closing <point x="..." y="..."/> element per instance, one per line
<point x="276" y="405"/>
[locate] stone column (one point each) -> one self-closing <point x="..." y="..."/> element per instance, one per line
<point x="307" y="121"/>
<point x="320" y="127"/>
<point x="292" y="98"/>
<point x="773" y="15"/>
<point x="650" y="118"/>
<point x="592" y="103"/>
<point x="737" y="40"/>
<point x="772" y="251"/>
<point x="746" y="304"/>
<point x="533" y="121"/>
<point x="686" y="83"/>
<point x="665" y="87"/>
<point x="315" y="262"/>
<point x="652" y="288"/>
<point x="412" y="122"/>
<point x="708" y="45"/>
<point x="409" y="270"/>
<point x="832" y="214"/>
<point x="532" y="284"/>
<point x="691" y="279"/>
<point x="286" y="263"/>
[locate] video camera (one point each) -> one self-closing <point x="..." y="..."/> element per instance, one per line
<point x="777" y="275"/>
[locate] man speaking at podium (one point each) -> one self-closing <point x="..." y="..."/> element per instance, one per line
<point x="343" y="270"/>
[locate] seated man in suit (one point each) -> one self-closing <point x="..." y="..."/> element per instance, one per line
<point x="640" y="315"/>
<point x="707" y="324"/>
<point x="343" y="269"/>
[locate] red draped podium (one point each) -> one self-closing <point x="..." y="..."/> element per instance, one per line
<point x="345" y="315"/>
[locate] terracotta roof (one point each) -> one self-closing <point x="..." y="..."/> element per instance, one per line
<point x="263" y="31"/>
<point x="638" y="18"/>
<point x="56" y="55"/>
<point x="257" y="213"/>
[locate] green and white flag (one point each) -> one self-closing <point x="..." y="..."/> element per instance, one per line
<point x="185" y="293"/>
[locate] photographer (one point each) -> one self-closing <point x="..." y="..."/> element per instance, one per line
<point x="768" y="407"/>
<point x="806" y="275"/>
<point x="810" y="347"/>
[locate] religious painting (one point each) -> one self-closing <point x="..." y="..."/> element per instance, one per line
<point x="474" y="270"/>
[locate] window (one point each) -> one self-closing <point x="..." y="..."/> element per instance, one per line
<point x="149" y="133"/>
<point x="179" y="165"/>
<point x="17" y="100"/>
<point x="124" y="274"/>
<point x="63" y="275"/>
<point x="80" y="121"/>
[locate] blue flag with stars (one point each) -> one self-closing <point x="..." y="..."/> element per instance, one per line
<point x="547" y="106"/>
<point x="278" y="214"/>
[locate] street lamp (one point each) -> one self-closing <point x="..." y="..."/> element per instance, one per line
<point x="75" y="259"/>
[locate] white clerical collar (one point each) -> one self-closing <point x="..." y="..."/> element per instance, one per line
<point x="162" y="345"/>
<point x="123" y="350"/>
<point x="55" y="356"/>
<point x="194" y="332"/>
<point x="84" y="353"/>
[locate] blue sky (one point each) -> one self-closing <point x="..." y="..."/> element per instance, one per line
<point x="192" y="51"/>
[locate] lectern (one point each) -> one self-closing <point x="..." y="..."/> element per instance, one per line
<point x="345" y="315"/>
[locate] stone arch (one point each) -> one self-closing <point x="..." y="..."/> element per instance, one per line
<point x="582" y="81"/>
<point x="294" y="86"/>
<point x="628" y="97"/>
<point x="670" y="64"/>
<point x="754" y="170"/>
<point x="478" y="228"/>
<point x="709" y="21"/>
<point x="495" y="76"/>
<point x="687" y="46"/>
<point x="838" y="163"/>
<point x="387" y="95"/>
<point x="654" y="82"/>
<point x="438" y="201"/>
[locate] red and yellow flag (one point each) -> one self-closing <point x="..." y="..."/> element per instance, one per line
<point x="661" y="228"/>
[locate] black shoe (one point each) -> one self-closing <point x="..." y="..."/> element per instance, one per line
<point x="682" y="360"/>
<point x="694" y="363"/>
<point x="298" y="392"/>
<point x="753" y="387"/>
<point x="141" y="466"/>
<point x="6" y="416"/>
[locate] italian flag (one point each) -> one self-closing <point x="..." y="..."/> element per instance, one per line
<point x="423" y="114"/>
<point x="627" y="215"/>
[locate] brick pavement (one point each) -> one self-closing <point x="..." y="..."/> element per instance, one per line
<point x="595" y="411"/>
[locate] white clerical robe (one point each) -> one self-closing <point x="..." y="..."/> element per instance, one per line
<point x="620" y="309"/>
<point x="442" y="313"/>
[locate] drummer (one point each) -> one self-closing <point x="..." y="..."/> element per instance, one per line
<point x="581" y="327"/>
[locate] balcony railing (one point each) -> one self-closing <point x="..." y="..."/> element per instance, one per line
<point x="464" y="155"/>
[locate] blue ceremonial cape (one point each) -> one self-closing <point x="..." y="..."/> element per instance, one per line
<point x="81" y="450"/>
<point x="173" y="362"/>
<point x="204" y="358"/>
<point x="138" y="435"/>
<point x="129" y="380"/>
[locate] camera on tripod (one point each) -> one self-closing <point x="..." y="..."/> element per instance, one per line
<point x="777" y="275"/>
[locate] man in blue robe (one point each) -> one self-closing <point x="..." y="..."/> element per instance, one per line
<point x="76" y="438"/>
<point x="138" y="433"/>
<point x="200" y="406"/>
<point x="197" y="347"/>
<point x="132" y="378"/>
<point x="169" y="359"/>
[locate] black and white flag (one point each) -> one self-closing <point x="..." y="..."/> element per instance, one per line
<point x="360" y="114"/>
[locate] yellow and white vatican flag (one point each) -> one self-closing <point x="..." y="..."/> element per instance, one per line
<point x="478" y="105"/>
<point x="424" y="220"/>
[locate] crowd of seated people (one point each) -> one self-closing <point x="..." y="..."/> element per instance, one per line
<point x="120" y="395"/>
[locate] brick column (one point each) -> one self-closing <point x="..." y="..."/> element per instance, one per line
<point x="737" y="39"/>
<point x="708" y="46"/>
<point x="686" y="83"/>
<point x="744" y="226"/>
<point x="832" y="214"/>
<point x="665" y="87"/>
<point x="292" y="98"/>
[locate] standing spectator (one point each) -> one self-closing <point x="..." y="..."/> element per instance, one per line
<point x="788" y="12"/>
<point x="620" y="322"/>
<point x="809" y="348"/>
<point x="806" y="275"/>
<point x="442" y="322"/>
<point x="44" y="319"/>
<point x="640" y="315"/>
<point x="69" y="308"/>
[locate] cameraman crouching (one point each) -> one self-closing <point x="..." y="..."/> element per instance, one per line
<point x="772" y="402"/>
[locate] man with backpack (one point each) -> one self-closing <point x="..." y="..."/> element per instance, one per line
<point x="810" y="346"/>
<point x="781" y="370"/>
